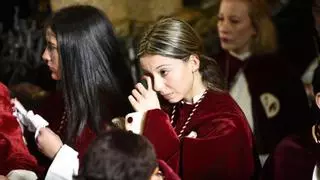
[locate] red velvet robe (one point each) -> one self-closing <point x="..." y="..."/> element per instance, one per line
<point x="223" y="148"/>
<point x="13" y="152"/>
<point x="294" y="158"/>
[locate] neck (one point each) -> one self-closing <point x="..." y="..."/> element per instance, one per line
<point x="242" y="56"/>
<point x="198" y="87"/>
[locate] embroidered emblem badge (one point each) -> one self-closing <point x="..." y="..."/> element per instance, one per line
<point x="270" y="104"/>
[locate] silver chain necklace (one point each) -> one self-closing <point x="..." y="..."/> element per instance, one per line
<point x="190" y="115"/>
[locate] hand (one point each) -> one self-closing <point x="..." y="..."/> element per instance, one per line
<point x="3" y="177"/>
<point x="48" y="142"/>
<point x="143" y="99"/>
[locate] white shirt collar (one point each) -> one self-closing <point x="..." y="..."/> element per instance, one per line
<point x="195" y="98"/>
<point x="241" y="56"/>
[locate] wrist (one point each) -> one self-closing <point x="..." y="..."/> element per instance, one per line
<point x="57" y="151"/>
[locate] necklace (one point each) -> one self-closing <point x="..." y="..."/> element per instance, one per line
<point x="62" y="122"/>
<point x="190" y="115"/>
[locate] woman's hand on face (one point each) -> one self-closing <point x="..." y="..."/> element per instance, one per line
<point x="143" y="99"/>
<point x="48" y="142"/>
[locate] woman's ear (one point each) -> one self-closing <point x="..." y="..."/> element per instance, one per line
<point x="194" y="62"/>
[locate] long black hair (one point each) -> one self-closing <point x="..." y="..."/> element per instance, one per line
<point x="95" y="79"/>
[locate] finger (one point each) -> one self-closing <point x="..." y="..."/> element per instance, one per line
<point x="141" y="89"/>
<point x="133" y="102"/>
<point x="136" y="94"/>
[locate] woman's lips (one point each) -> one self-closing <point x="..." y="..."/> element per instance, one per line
<point x="225" y="40"/>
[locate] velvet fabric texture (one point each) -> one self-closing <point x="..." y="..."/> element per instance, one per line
<point x="223" y="148"/>
<point x="271" y="74"/>
<point x="294" y="158"/>
<point x="167" y="172"/>
<point x="14" y="153"/>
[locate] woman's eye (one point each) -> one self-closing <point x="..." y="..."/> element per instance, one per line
<point x="51" y="47"/>
<point x="234" y="21"/>
<point x="163" y="73"/>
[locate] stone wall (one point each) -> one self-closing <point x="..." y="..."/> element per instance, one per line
<point x="118" y="10"/>
<point x="121" y="12"/>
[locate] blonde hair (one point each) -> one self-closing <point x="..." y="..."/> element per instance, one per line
<point x="265" y="40"/>
<point x="175" y="38"/>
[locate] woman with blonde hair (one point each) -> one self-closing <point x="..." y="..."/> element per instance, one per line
<point x="198" y="129"/>
<point x="257" y="77"/>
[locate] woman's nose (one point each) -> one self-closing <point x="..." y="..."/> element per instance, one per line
<point x="157" y="84"/>
<point x="45" y="56"/>
<point x="223" y="27"/>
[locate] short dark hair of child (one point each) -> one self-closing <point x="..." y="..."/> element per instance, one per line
<point x="119" y="155"/>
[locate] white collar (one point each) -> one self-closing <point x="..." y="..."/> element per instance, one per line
<point x="195" y="98"/>
<point x="241" y="56"/>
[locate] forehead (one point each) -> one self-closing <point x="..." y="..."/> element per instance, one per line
<point x="51" y="36"/>
<point x="234" y="7"/>
<point x="152" y="62"/>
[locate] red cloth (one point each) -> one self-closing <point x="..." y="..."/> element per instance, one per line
<point x="167" y="172"/>
<point x="223" y="148"/>
<point x="13" y="152"/>
<point x="294" y="158"/>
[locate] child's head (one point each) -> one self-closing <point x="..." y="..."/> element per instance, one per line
<point x="119" y="155"/>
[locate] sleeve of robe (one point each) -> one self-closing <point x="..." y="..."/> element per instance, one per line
<point x="13" y="152"/>
<point x="59" y="169"/>
<point x="222" y="149"/>
<point x="293" y="159"/>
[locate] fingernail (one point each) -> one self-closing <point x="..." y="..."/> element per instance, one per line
<point x="129" y="119"/>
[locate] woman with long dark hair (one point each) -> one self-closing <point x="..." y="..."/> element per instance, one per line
<point x="83" y="55"/>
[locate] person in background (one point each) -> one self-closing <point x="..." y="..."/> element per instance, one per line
<point x="297" y="156"/>
<point x="257" y="75"/>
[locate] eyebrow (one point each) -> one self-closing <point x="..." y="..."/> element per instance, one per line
<point x="51" y="43"/>
<point x="230" y="16"/>
<point x="161" y="66"/>
<point x="234" y="16"/>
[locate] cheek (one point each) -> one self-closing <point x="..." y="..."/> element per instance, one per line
<point x="56" y="67"/>
<point x="181" y="80"/>
<point x="244" y="33"/>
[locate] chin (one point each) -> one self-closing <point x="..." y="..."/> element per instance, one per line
<point x="173" y="100"/>
<point x="55" y="76"/>
<point x="227" y="47"/>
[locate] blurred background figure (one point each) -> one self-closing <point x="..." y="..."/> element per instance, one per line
<point x="257" y="74"/>
<point x="297" y="156"/>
